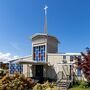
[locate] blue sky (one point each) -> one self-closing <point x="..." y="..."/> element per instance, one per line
<point x="68" y="20"/>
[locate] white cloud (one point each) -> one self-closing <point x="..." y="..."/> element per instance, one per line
<point x="5" y="57"/>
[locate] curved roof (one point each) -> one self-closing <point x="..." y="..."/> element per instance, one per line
<point x="43" y="34"/>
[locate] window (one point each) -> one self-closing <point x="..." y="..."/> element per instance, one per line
<point x="71" y="58"/>
<point x="39" y="53"/>
<point x="0" y="64"/>
<point x="78" y="72"/>
<point x="16" y="67"/>
<point x="79" y="57"/>
<point x="64" y="57"/>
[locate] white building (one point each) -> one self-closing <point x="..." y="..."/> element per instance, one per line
<point x="46" y="61"/>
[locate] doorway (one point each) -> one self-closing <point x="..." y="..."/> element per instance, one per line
<point x="39" y="71"/>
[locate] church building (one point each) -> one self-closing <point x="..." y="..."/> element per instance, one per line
<point x="46" y="61"/>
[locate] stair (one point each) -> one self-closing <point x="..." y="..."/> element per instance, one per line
<point x="63" y="84"/>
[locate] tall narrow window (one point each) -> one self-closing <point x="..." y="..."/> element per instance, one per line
<point x="71" y="58"/>
<point x="39" y="53"/>
<point x="64" y="59"/>
<point x="79" y="72"/>
<point x="0" y="64"/>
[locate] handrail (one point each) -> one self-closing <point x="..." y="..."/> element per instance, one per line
<point x="65" y="74"/>
<point x="58" y="74"/>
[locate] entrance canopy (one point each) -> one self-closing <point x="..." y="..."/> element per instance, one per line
<point x="31" y="62"/>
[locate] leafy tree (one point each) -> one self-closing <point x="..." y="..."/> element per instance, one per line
<point x="84" y="63"/>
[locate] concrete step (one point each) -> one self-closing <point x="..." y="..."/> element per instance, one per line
<point x="62" y="88"/>
<point x="62" y="85"/>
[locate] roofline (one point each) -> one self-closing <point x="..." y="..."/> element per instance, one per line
<point x="44" y="34"/>
<point x="62" y="54"/>
<point x="19" y="58"/>
<point x="30" y="62"/>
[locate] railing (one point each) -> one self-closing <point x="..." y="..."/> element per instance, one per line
<point x="68" y="76"/>
<point x="59" y="75"/>
<point x="64" y="71"/>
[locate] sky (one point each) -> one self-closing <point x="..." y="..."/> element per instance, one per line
<point x="68" y="20"/>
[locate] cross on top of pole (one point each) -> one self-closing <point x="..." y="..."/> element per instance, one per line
<point x="45" y="8"/>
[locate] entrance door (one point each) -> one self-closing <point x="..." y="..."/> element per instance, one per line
<point x="39" y="70"/>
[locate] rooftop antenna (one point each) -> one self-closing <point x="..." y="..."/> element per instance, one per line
<point x="45" y="20"/>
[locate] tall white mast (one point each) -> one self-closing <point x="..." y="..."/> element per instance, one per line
<point x="45" y="22"/>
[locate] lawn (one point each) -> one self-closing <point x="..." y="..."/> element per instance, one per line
<point x="78" y="88"/>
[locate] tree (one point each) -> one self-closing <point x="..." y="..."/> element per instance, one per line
<point x="84" y="63"/>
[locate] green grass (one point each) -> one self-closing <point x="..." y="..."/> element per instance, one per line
<point x="78" y="88"/>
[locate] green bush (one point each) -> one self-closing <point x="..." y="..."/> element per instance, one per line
<point x="80" y="84"/>
<point x="84" y="84"/>
<point x="77" y="82"/>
